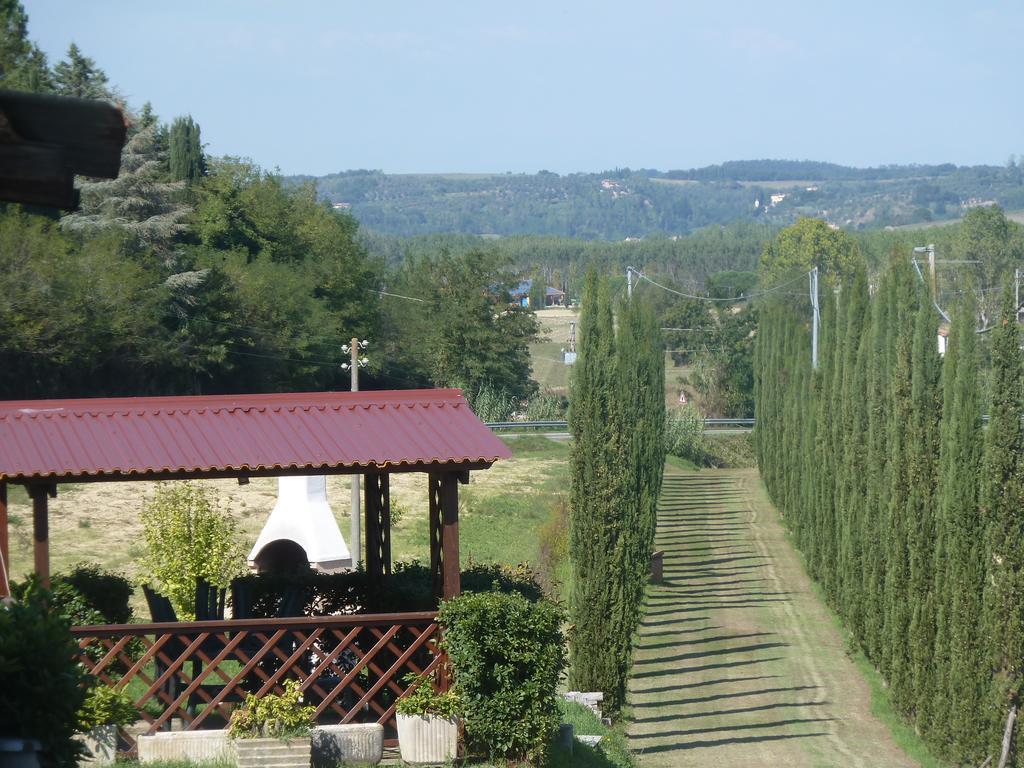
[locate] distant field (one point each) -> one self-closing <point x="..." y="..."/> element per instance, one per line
<point x="552" y="373"/>
<point x="1017" y="216"/>
<point x="500" y="512"/>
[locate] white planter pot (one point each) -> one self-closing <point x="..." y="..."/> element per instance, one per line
<point x="427" y="739"/>
<point x="273" y="753"/>
<point x="335" y="745"/>
<point x="100" y="745"/>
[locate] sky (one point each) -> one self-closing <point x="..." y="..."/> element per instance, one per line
<point x="563" y="85"/>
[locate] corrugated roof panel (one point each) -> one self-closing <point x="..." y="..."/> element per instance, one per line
<point x="69" y="439"/>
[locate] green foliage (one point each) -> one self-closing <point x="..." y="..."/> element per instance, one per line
<point x="185" y="159"/>
<point x="423" y="699"/>
<point x="684" y="433"/>
<point x="22" y="64"/>
<point x="914" y="532"/>
<point x="491" y="404"/>
<point x="507" y="655"/>
<point x="86" y="595"/>
<point x="79" y="76"/>
<point x="464" y="331"/>
<point x="43" y="687"/>
<point x="189" y="537"/>
<point x="546" y="406"/>
<point x="617" y="417"/>
<point x="273" y="716"/>
<point x="805" y="244"/>
<point x="106" y="706"/>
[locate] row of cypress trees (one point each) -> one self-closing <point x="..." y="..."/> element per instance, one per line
<point x="617" y="418"/>
<point x="909" y="512"/>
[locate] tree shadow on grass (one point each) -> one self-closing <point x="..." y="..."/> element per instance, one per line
<point x="733" y="728"/>
<point x="700" y="684"/>
<point x="734" y="711"/>
<point x="701" y="641"/>
<point x="720" y="696"/>
<point x="708" y="653"/>
<point x="708" y="667"/>
<point x="724" y="742"/>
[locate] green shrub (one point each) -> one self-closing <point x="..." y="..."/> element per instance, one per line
<point x="546" y="407"/>
<point x="87" y="595"/>
<point x="273" y="716"/>
<point x="507" y="655"/>
<point x="42" y="686"/>
<point x="492" y="404"/>
<point x="424" y="699"/>
<point x="188" y="537"/>
<point x="106" y="706"/>
<point x="684" y="433"/>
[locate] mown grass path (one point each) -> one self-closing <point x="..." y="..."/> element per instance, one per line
<point x="738" y="662"/>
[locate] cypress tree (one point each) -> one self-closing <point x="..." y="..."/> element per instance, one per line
<point x="593" y="525"/>
<point x="921" y="480"/>
<point x="957" y="529"/>
<point x="1002" y="503"/>
<point x="186" y="150"/>
<point x="896" y="654"/>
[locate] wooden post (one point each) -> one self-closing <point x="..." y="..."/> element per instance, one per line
<point x="5" y="552"/>
<point x="41" y="530"/>
<point x="434" y="493"/>
<point x="450" y="535"/>
<point x="377" y="503"/>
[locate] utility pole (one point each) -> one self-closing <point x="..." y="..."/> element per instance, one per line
<point x="353" y="367"/>
<point x="931" y="266"/>
<point x="629" y="283"/>
<point x="1016" y="294"/>
<point x="815" y="318"/>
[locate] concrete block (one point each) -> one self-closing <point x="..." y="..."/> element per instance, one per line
<point x="360" y="743"/>
<point x="194" y="746"/>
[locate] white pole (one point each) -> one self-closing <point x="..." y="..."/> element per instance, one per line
<point x="629" y="283"/>
<point x="355" y="546"/>
<point x="815" y="318"/>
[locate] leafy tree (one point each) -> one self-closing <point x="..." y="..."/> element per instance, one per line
<point x="77" y="75"/>
<point x="186" y="150"/>
<point x="23" y="66"/>
<point x="806" y="244"/>
<point x="189" y="537"/>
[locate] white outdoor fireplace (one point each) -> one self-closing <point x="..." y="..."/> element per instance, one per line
<point x="301" y="529"/>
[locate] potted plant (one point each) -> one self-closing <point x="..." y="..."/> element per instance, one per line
<point x="273" y="729"/>
<point x="428" y="722"/>
<point x="104" y="711"/>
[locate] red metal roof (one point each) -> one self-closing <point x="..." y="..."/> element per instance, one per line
<point x="153" y="436"/>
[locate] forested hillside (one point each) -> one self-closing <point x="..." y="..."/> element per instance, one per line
<point x="625" y="203"/>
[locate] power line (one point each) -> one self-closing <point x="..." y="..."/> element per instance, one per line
<point x="746" y="297"/>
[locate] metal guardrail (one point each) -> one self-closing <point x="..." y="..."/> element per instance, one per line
<point x="563" y="425"/>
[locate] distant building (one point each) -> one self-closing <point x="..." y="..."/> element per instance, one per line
<point x="552" y="296"/>
<point x="341" y="206"/>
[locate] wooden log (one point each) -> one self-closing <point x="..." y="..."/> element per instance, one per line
<point x="41" y="532"/>
<point x="450" y="535"/>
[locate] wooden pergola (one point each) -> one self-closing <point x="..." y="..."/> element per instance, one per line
<point x="349" y="667"/>
<point x="48" y="442"/>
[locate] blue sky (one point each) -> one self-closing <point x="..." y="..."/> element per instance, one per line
<point x="317" y="87"/>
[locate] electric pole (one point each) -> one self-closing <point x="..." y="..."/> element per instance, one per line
<point x="629" y="283"/>
<point x="353" y="367"/>
<point x="815" y="318"/>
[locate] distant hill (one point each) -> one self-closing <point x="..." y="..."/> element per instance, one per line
<point x="625" y="203"/>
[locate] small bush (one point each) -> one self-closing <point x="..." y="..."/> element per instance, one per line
<point x="273" y="716"/>
<point x="425" y="700"/>
<point x="106" y="706"/>
<point x="554" y="545"/>
<point x="42" y="686"/>
<point x="507" y="655"/>
<point x="684" y="433"/>
<point x="492" y="404"/>
<point x="546" y="407"/>
<point x="87" y="595"/>
<point x="188" y="537"/>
